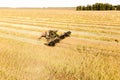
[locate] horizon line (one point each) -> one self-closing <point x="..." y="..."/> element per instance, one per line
<point x="38" y="7"/>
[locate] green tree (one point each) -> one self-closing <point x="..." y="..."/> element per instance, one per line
<point x="79" y="8"/>
<point x="118" y="7"/>
<point x="99" y="6"/>
<point x="83" y="8"/>
<point x="89" y="7"/>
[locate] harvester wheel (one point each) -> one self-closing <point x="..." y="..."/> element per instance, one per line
<point x="52" y="43"/>
<point x="62" y="37"/>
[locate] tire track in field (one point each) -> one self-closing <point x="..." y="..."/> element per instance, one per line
<point x="27" y="20"/>
<point x="34" y="33"/>
<point x="31" y="41"/>
<point x="61" y="22"/>
<point x="73" y="27"/>
<point x="41" y="28"/>
<point x="79" y="33"/>
<point x="20" y="31"/>
<point x="34" y="27"/>
<point x="24" y="18"/>
<point x="81" y="28"/>
<point x="66" y="43"/>
<point x="104" y="32"/>
<point x="34" y="21"/>
<point x="23" y="26"/>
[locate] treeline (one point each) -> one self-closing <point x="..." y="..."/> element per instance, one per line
<point x="99" y="6"/>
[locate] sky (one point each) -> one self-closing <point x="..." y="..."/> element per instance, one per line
<point x="52" y="3"/>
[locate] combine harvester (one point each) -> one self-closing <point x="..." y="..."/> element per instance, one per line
<point x="52" y="37"/>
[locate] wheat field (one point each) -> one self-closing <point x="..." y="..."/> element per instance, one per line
<point x="91" y="53"/>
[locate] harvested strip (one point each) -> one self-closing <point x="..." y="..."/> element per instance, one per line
<point x="79" y="34"/>
<point x="42" y="21"/>
<point x="31" y="41"/>
<point x="20" y="31"/>
<point x="44" y="28"/>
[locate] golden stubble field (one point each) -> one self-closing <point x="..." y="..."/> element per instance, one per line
<point x="91" y="53"/>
